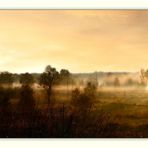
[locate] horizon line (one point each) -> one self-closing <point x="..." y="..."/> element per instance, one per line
<point x="100" y="71"/>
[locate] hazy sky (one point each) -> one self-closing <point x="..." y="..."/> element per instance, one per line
<point x="81" y="41"/>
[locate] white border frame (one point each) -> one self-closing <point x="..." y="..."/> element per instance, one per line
<point x="73" y="4"/>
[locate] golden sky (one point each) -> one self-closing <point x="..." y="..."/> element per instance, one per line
<point x="78" y="40"/>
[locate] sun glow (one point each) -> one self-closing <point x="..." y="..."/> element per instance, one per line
<point x="82" y="41"/>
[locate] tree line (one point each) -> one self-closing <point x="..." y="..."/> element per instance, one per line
<point x="20" y="115"/>
<point x="62" y="77"/>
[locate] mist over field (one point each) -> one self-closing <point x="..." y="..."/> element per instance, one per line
<point x="73" y="74"/>
<point x="62" y="104"/>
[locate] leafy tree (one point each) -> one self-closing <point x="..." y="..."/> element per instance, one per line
<point x="26" y="79"/>
<point x="48" y="79"/>
<point x="90" y="90"/>
<point x="64" y="75"/>
<point x="84" y="100"/>
<point x="6" y="78"/>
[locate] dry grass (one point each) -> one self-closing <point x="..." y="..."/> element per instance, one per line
<point x="116" y="112"/>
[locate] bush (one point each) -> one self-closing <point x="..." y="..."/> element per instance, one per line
<point x="84" y="100"/>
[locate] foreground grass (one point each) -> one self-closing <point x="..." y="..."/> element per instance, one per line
<point x="115" y="113"/>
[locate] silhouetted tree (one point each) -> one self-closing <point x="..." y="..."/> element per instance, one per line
<point x="64" y="75"/>
<point x="6" y="78"/>
<point x="82" y="103"/>
<point x="48" y="79"/>
<point x="131" y="82"/>
<point x="5" y="95"/>
<point x="26" y="103"/>
<point x="75" y="96"/>
<point x="5" y="111"/>
<point x="116" y="82"/>
<point x="95" y="79"/>
<point x="84" y="100"/>
<point x="26" y="79"/>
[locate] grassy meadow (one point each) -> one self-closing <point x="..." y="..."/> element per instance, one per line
<point x="63" y="105"/>
<point x="115" y="112"/>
